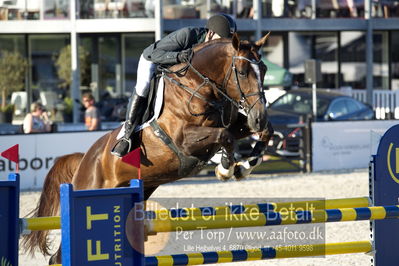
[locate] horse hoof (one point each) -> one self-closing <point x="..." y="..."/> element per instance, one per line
<point x="240" y="172"/>
<point x="222" y="173"/>
<point x="243" y="169"/>
<point x="53" y="260"/>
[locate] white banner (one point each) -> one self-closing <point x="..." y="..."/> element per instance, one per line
<point x="347" y="144"/>
<point x="37" y="153"/>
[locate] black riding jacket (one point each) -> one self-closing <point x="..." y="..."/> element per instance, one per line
<point x="165" y="51"/>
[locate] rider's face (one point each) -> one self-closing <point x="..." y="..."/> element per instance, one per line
<point x="212" y="36"/>
<point x="215" y="36"/>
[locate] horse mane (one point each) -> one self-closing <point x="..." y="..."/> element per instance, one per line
<point x="203" y="45"/>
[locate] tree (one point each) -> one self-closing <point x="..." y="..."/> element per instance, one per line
<point x="63" y="64"/>
<point x="12" y="74"/>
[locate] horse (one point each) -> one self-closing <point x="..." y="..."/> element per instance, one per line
<point x="209" y="103"/>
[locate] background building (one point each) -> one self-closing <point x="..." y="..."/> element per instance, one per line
<point x="354" y="39"/>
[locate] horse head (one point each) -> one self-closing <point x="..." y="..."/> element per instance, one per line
<point x="236" y="68"/>
<point x="249" y="72"/>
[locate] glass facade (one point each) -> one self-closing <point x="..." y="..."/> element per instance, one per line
<point x="19" y="10"/>
<point x="45" y="83"/>
<point x="381" y="61"/>
<point x="326" y="50"/>
<point x="133" y="47"/>
<point x="177" y="9"/>
<point x="322" y="46"/>
<point x="274" y="49"/>
<point x="109" y="65"/>
<point x="103" y="70"/>
<point x="394" y="73"/>
<point x="115" y="9"/>
<point x="300" y="49"/>
<point x="56" y="9"/>
<point x="44" y="50"/>
<point x="353" y="59"/>
<point x="15" y="42"/>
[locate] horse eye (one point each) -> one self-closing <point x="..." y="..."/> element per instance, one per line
<point x="242" y="74"/>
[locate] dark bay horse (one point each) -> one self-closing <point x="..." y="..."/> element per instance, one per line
<point x="208" y="104"/>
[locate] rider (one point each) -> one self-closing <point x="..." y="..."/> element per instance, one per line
<point x="175" y="48"/>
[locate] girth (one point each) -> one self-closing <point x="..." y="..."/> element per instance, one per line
<point x="187" y="163"/>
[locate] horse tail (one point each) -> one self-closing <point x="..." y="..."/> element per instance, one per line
<point x="62" y="172"/>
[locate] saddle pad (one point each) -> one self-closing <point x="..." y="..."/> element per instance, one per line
<point x="157" y="111"/>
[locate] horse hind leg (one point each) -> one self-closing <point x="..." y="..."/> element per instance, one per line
<point x="61" y="172"/>
<point x="56" y="257"/>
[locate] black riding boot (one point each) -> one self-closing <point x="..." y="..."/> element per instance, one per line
<point x="133" y="117"/>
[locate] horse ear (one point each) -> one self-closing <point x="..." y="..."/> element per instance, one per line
<point x="262" y="41"/>
<point x="235" y="41"/>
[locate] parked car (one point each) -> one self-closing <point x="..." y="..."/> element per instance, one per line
<point x="288" y="111"/>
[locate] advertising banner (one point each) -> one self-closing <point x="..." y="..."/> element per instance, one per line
<point x="346" y="144"/>
<point x="37" y="153"/>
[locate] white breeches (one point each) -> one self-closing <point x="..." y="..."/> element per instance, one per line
<point x="145" y="70"/>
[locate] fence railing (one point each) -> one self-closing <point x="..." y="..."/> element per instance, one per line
<point x="385" y="103"/>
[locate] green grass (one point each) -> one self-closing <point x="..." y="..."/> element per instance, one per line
<point x="276" y="164"/>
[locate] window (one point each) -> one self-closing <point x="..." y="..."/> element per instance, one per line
<point x="353" y="106"/>
<point x="381" y="59"/>
<point x="395" y="61"/>
<point x="353" y="59"/>
<point x="338" y="108"/>
<point x="56" y="9"/>
<point x="314" y="45"/>
<point x="299" y="103"/>
<point x="134" y="45"/>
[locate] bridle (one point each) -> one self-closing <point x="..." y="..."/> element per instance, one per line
<point x="221" y="89"/>
<point x="243" y="97"/>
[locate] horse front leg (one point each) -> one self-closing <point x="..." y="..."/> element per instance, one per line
<point x="225" y="169"/>
<point x="198" y="139"/>
<point x="244" y="168"/>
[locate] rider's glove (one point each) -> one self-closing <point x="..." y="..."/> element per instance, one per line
<point x="185" y="55"/>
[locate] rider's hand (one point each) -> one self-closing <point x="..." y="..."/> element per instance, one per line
<point x="185" y="55"/>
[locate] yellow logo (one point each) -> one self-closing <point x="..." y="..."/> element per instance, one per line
<point x="396" y="162"/>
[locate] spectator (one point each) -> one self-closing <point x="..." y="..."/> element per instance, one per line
<point x="37" y="120"/>
<point x="92" y="114"/>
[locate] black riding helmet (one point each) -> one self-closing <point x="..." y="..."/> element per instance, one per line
<point x="222" y="24"/>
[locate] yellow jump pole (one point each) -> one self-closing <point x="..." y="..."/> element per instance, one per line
<point x="40" y="223"/>
<point x="263" y="207"/>
<point x="261" y="253"/>
<point x="271" y="218"/>
<point x="54" y="222"/>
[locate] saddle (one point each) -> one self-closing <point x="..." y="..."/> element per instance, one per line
<point x="149" y="111"/>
